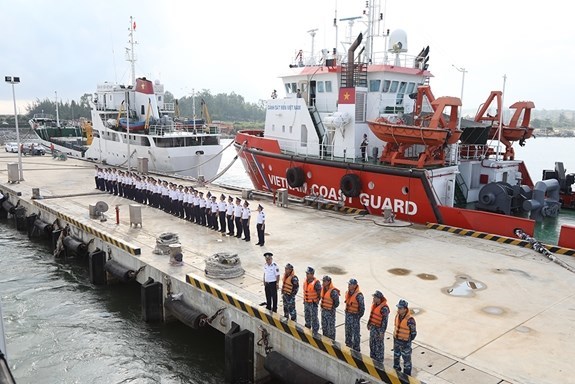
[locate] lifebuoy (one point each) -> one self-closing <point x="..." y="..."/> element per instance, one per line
<point x="350" y="185"/>
<point x="295" y="177"/>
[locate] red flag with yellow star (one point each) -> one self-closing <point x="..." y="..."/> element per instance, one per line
<point x="347" y="95"/>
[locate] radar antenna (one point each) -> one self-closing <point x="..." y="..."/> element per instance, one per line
<point x="312" y="34"/>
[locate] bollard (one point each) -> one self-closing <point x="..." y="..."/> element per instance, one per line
<point x="117" y="215"/>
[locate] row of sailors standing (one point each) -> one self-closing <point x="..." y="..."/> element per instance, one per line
<point x="187" y="203"/>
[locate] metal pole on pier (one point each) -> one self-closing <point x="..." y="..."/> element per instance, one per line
<point x="16" y="80"/>
<point x="128" y="125"/>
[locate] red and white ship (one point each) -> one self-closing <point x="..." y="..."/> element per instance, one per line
<point x="423" y="164"/>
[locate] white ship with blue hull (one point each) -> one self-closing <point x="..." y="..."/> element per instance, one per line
<point x="132" y="125"/>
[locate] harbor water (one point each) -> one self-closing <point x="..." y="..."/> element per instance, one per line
<point x="62" y="329"/>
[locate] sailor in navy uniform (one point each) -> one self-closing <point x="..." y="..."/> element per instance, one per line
<point x="230" y="215"/>
<point x="271" y="282"/>
<point x="238" y="217"/>
<point x="261" y="225"/>
<point x="222" y="207"/>
<point x="246" y="220"/>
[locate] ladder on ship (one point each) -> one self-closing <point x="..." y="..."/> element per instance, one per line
<point x="320" y="130"/>
<point x="461" y="192"/>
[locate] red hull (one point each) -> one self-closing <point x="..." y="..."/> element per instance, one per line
<point x="407" y="192"/>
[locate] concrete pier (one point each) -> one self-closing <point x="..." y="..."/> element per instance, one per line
<point x="488" y="310"/>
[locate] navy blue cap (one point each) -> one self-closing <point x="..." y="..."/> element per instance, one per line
<point x="352" y="281"/>
<point x="310" y="270"/>
<point x="402" y="304"/>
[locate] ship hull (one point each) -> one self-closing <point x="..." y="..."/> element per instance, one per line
<point x="410" y="194"/>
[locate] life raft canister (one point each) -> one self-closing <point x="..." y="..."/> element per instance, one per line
<point x="350" y="185"/>
<point x="295" y="177"/>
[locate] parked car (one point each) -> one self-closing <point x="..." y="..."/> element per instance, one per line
<point x="33" y="149"/>
<point x="11" y="147"/>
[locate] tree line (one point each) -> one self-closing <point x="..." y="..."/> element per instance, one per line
<point x="223" y="107"/>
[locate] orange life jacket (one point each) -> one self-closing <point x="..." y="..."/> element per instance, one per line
<point x="351" y="303"/>
<point x="402" y="331"/>
<point x="287" y="286"/>
<point x="375" y="318"/>
<point x="326" y="300"/>
<point x="309" y="293"/>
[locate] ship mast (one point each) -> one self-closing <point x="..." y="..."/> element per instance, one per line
<point x="374" y="16"/>
<point x="130" y="51"/>
<point x="132" y="60"/>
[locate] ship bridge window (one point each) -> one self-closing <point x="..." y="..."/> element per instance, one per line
<point x="386" y="85"/>
<point x="400" y="93"/>
<point x="320" y="87"/>
<point x="142" y="110"/>
<point x="171" y="142"/>
<point x="410" y="88"/>
<point x="393" y="87"/>
<point x="328" y="86"/>
<point x="374" y="85"/>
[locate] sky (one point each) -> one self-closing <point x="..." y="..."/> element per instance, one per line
<point x="68" y="47"/>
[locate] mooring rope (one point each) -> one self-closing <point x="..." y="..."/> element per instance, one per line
<point x="539" y="247"/>
<point x="207" y="161"/>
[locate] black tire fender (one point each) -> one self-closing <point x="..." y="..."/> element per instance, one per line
<point x="295" y="177"/>
<point x="350" y="185"/>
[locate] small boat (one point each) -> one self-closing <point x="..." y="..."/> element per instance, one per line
<point x="132" y="125"/>
<point x="423" y="162"/>
<point x="155" y="138"/>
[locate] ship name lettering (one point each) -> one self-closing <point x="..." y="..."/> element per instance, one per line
<point x="396" y="205"/>
<point x="281" y="182"/>
<point x="373" y="201"/>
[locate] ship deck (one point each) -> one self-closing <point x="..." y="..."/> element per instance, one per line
<point x="486" y="312"/>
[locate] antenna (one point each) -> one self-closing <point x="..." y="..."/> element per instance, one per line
<point x="130" y="51"/>
<point x="312" y="34"/>
<point x="350" y="21"/>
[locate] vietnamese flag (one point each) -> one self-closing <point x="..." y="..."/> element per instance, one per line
<point x="144" y="86"/>
<point x="347" y="95"/>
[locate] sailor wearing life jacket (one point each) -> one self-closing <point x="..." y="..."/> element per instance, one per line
<point x="377" y="325"/>
<point x="311" y="294"/>
<point x="403" y="334"/>
<point x="271" y="282"/>
<point x="290" y="286"/>
<point x="354" y="309"/>
<point x="329" y="302"/>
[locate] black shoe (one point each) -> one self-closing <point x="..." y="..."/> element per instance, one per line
<point x="247" y="239"/>
<point x="261" y="244"/>
<point x="258" y="243"/>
